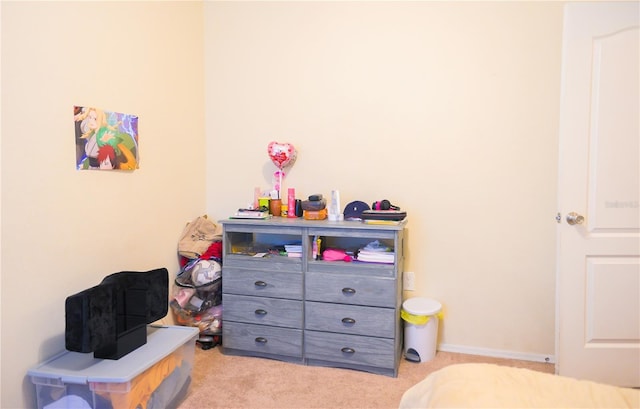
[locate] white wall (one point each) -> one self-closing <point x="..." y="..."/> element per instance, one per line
<point x="63" y="230"/>
<point x="448" y="109"/>
<point x="0" y="214"/>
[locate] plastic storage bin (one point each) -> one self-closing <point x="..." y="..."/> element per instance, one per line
<point x="421" y="316"/>
<point x="156" y="375"/>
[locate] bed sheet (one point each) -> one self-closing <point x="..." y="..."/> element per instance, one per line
<point x="497" y="386"/>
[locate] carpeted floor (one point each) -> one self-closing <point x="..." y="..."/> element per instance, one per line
<point x="223" y="381"/>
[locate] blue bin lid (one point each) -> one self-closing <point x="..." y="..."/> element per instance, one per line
<point x="81" y="368"/>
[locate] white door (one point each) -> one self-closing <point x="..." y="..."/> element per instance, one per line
<point x="598" y="276"/>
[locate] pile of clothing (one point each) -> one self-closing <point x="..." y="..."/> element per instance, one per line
<point x="375" y="252"/>
<point x="197" y="294"/>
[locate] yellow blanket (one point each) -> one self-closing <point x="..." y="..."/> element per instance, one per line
<point x="495" y="386"/>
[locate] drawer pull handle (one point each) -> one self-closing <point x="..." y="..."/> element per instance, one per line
<point x="261" y="340"/>
<point x="260" y="284"/>
<point x="348" y="350"/>
<point x="348" y="290"/>
<point x="348" y="320"/>
<point x="260" y="312"/>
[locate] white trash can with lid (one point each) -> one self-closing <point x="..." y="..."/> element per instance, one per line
<point x="421" y="316"/>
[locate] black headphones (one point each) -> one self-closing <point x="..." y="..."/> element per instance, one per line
<point x="384" y="205"/>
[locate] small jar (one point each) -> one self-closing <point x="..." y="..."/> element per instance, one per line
<point x="275" y="207"/>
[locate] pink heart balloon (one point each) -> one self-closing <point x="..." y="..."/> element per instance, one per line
<point x="281" y="154"/>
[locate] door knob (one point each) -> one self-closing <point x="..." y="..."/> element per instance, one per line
<point x="574" y="218"/>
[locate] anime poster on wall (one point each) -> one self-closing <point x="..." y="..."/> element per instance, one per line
<point x="105" y="140"/>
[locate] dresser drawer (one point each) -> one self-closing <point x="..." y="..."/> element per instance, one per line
<point x="350" y="319"/>
<point x="262" y="283"/>
<point x="351" y="349"/>
<point x="262" y="310"/>
<point x="262" y="339"/>
<point x="350" y="289"/>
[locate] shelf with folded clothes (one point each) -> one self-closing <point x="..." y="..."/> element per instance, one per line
<point x="353" y="249"/>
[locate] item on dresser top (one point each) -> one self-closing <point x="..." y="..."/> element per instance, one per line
<point x="353" y="210"/>
<point x="383" y="222"/>
<point x="334" y="207"/>
<point x="282" y="155"/>
<point x="263" y="202"/>
<point x="261" y="212"/>
<point x="298" y="208"/>
<point x="291" y="203"/>
<point x="315" y="214"/>
<point x="384" y="205"/>
<point x="275" y="207"/>
<point x="314" y="204"/>
<point x="384" y="215"/>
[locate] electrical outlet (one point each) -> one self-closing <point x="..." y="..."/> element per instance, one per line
<point x="409" y="281"/>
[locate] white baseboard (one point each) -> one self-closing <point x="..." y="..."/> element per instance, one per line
<point x="497" y="353"/>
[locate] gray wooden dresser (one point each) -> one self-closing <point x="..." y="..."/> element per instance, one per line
<point x="307" y="310"/>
